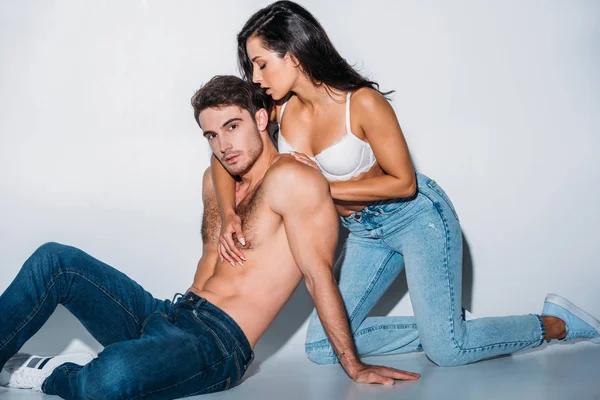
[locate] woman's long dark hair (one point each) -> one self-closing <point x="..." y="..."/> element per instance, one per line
<point x="286" y="27"/>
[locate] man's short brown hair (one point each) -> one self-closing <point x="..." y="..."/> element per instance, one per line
<point x="228" y="90"/>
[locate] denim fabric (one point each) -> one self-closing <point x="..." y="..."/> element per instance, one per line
<point x="422" y="234"/>
<point x="154" y="349"/>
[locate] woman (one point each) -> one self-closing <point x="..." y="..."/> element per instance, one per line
<point x="333" y="119"/>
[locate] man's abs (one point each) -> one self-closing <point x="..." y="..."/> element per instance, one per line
<point x="253" y="294"/>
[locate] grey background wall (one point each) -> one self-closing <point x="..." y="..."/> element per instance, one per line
<point x="499" y="102"/>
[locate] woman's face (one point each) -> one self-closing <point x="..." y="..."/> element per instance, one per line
<point x="275" y="74"/>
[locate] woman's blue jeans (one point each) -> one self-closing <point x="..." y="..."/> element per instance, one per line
<point x="422" y="235"/>
<point x="154" y="349"/>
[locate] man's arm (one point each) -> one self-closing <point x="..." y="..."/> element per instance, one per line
<point x="300" y="194"/>
<point x="206" y="264"/>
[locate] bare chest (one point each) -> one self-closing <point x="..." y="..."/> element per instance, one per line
<point x="258" y="221"/>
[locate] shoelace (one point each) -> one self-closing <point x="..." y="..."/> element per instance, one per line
<point x="16" y="362"/>
<point x="28" y="378"/>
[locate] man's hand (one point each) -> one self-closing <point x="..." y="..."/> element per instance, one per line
<point x="231" y="225"/>
<point x="365" y="373"/>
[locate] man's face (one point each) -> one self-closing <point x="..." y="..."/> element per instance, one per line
<point x="233" y="137"/>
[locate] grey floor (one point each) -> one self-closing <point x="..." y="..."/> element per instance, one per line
<point x="566" y="371"/>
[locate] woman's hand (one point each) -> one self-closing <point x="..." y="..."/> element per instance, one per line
<point x="231" y="229"/>
<point x="304" y="159"/>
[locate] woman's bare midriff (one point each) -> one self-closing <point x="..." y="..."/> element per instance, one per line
<point x="345" y="208"/>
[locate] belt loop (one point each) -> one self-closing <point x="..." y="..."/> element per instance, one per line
<point x="200" y="302"/>
<point x="176" y="294"/>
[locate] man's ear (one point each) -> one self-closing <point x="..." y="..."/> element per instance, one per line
<point x="262" y="119"/>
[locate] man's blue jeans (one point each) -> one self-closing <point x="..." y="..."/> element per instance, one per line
<point x="423" y="235"/>
<point x="154" y="349"/>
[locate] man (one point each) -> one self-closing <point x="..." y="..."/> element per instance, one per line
<point x="202" y="342"/>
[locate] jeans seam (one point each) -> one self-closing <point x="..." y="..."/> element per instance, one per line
<point x="226" y="330"/>
<point x="401" y="207"/>
<point x="107" y="293"/>
<point x="237" y="366"/>
<point x="436" y="188"/>
<point x="451" y="292"/>
<point x="325" y="342"/>
<point x="491" y="346"/>
<point x="143" y="327"/>
<point x="227" y="386"/>
<point x="542" y="328"/>
<point x="371" y="285"/>
<point x="446" y="272"/>
<point x="219" y="342"/>
<point x="383" y="327"/>
<point x="362" y="300"/>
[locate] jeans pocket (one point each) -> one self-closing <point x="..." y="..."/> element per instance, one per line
<point x="207" y="329"/>
<point x="437" y="189"/>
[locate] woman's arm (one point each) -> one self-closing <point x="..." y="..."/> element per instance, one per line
<point x="378" y="121"/>
<point x="224" y="186"/>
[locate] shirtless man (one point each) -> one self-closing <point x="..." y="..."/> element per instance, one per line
<point x="202" y="342"/>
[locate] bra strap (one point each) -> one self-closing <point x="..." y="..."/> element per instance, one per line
<point x="281" y="112"/>
<point x="348" y="130"/>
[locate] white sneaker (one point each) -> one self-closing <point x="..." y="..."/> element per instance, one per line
<point x="25" y="371"/>
<point x="14" y="363"/>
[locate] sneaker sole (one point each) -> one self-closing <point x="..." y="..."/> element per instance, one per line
<point x="578" y="312"/>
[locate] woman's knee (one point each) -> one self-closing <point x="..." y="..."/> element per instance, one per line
<point x="449" y="356"/>
<point x="315" y="332"/>
<point x="320" y="354"/>
<point x="317" y="347"/>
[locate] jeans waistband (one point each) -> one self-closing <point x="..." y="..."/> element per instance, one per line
<point x="195" y="302"/>
<point x="380" y="209"/>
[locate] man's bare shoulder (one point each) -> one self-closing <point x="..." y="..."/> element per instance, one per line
<point x="291" y="174"/>
<point x="289" y="182"/>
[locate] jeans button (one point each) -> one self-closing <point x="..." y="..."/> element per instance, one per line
<point x="356" y="216"/>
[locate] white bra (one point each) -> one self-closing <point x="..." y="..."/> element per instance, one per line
<point x="346" y="158"/>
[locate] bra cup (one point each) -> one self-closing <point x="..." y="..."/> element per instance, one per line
<point x="342" y="158"/>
